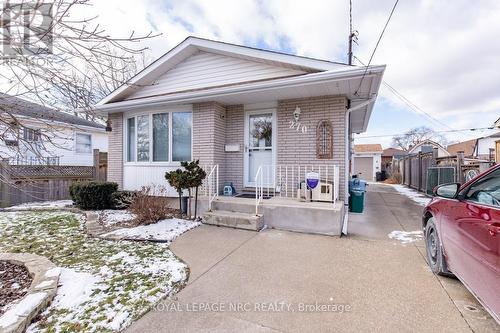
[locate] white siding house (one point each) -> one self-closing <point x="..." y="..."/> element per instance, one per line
<point x="46" y="136"/>
<point x="427" y="146"/>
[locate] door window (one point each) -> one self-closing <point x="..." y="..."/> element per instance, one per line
<point x="486" y="190"/>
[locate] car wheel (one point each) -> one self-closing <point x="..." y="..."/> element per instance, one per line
<point x="435" y="257"/>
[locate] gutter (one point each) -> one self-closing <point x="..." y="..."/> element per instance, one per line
<point x="347" y="152"/>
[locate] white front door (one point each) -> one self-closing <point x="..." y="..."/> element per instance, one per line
<point x="260" y="143"/>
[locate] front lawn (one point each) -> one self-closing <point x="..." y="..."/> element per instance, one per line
<point x="105" y="285"/>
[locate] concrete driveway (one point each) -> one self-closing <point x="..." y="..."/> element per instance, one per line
<point x="276" y="281"/>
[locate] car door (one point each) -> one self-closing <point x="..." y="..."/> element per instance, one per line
<point x="473" y="225"/>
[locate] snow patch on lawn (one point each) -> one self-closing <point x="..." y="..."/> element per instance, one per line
<point x="22" y="309"/>
<point x="406" y="237"/>
<point x="164" y="230"/>
<point x="42" y="205"/>
<point x="110" y="217"/>
<point x="412" y="194"/>
<point x="76" y="288"/>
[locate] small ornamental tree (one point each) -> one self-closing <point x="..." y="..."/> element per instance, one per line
<point x="195" y="177"/>
<point x="178" y="179"/>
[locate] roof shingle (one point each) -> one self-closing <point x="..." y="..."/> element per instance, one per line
<point x="22" y="107"/>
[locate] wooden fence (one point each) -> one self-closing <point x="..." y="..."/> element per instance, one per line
<point x="415" y="169"/>
<point x="27" y="183"/>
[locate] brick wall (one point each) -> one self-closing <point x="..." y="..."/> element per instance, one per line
<point x="115" y="149"/>
<point x="300" y="148"/>
<point x="209" y="128"/>
<point x="233" y="167"/>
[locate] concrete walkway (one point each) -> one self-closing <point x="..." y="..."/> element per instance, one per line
<point x="275" y="281"/>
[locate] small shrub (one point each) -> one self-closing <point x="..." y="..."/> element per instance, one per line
<point x="122" y="199"/>
<point x="93" y="195"/>
<point x="395" y="178"/>
<point x="150" y="205"/>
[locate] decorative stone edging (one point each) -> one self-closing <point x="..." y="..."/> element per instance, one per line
<point x="41" y="292"/>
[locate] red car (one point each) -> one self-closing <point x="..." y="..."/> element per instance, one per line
<point x="462" y="235"/>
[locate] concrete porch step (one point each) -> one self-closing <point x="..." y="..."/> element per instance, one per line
<point x="234" y="220"/>
<point x="237" y="205"/>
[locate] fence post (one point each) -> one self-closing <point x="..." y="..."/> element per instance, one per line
<point x="95" y="172"/>
<point x="419" y="171"/>
<point x="4" y="183"/>
<point x="459" y="177"/>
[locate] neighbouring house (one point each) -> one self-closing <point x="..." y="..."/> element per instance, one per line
<point x="259" y="120"/>
<point x="497" y="123"/>
<point x="388" y="156"/>
<point x="467" y="147"/>
<point x="367" y="161"/>
<point x="485" y="147"/>
<point x="427" y="146"/>
<point x="40" y="135"/>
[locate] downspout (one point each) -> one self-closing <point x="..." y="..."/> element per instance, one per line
<point x="347" y="139"/>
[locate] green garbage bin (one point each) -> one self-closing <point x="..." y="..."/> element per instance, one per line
<point x="356" y="201"/>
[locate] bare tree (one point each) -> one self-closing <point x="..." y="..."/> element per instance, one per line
<point x="416" y="136"/>
<point x="55" y="59"/>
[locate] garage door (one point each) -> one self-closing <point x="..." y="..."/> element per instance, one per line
<point x="364" y="167"/>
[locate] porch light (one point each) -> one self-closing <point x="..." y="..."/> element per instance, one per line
<point x="296" y="113"/>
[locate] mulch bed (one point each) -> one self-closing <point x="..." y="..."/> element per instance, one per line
<point x="15" y="281"/>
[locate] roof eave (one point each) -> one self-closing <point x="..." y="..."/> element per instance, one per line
<point x="191" y="97"/>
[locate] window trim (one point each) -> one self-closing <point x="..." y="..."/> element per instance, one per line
<point x="91" y="143"/>
<point x="149" y="113"/>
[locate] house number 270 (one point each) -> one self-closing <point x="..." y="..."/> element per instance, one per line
<point x="298" y="126"/>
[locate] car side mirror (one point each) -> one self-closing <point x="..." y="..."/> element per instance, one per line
<point x="449" y="191"/>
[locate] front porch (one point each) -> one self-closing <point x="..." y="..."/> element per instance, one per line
<point x="276" y="212"/>
<point x="279" y="199"/>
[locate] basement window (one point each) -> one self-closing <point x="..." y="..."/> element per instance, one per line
<point x="324" y="140"/>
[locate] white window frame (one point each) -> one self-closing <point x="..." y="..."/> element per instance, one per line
<point x="149" y="113"/>
<point x="76" y="143"/>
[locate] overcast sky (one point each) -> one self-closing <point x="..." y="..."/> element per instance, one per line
<point x="444" y="56"/>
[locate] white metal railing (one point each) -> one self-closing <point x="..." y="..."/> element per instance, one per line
<point x="259" y="189"/>
<point x="285" y="180"/>
<point x="212" y="185"/>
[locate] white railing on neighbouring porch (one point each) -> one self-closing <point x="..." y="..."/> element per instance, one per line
<point x="259" y="189"/>
<point x="212" y="185"/>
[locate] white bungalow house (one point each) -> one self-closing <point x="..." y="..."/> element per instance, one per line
<point x="427" y="146"/>
<point x="259" y="120"/>
<point x="41" y="135"/>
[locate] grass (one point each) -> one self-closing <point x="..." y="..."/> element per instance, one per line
<point x="133" y="276"/>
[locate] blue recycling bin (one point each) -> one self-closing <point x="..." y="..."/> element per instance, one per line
<point x="356" y="184"/>
<point x="357" y="190"/>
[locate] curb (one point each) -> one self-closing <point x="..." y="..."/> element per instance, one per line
<point x="41" y="292"/>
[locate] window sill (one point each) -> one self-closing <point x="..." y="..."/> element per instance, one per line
<point x="153" y="164"/>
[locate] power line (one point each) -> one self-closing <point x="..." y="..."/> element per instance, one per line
<point x="448" y="131"/>
<point x="409" y="103"/>
<point x="376" y="45"/>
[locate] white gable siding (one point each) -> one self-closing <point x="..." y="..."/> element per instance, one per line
<point x="205" y="69"/>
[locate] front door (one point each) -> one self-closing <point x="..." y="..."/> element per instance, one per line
<point x="260" y="141"/>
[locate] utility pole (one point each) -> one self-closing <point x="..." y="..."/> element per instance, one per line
<point x="353" y="36"/>
<point x="349" y="53"/>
